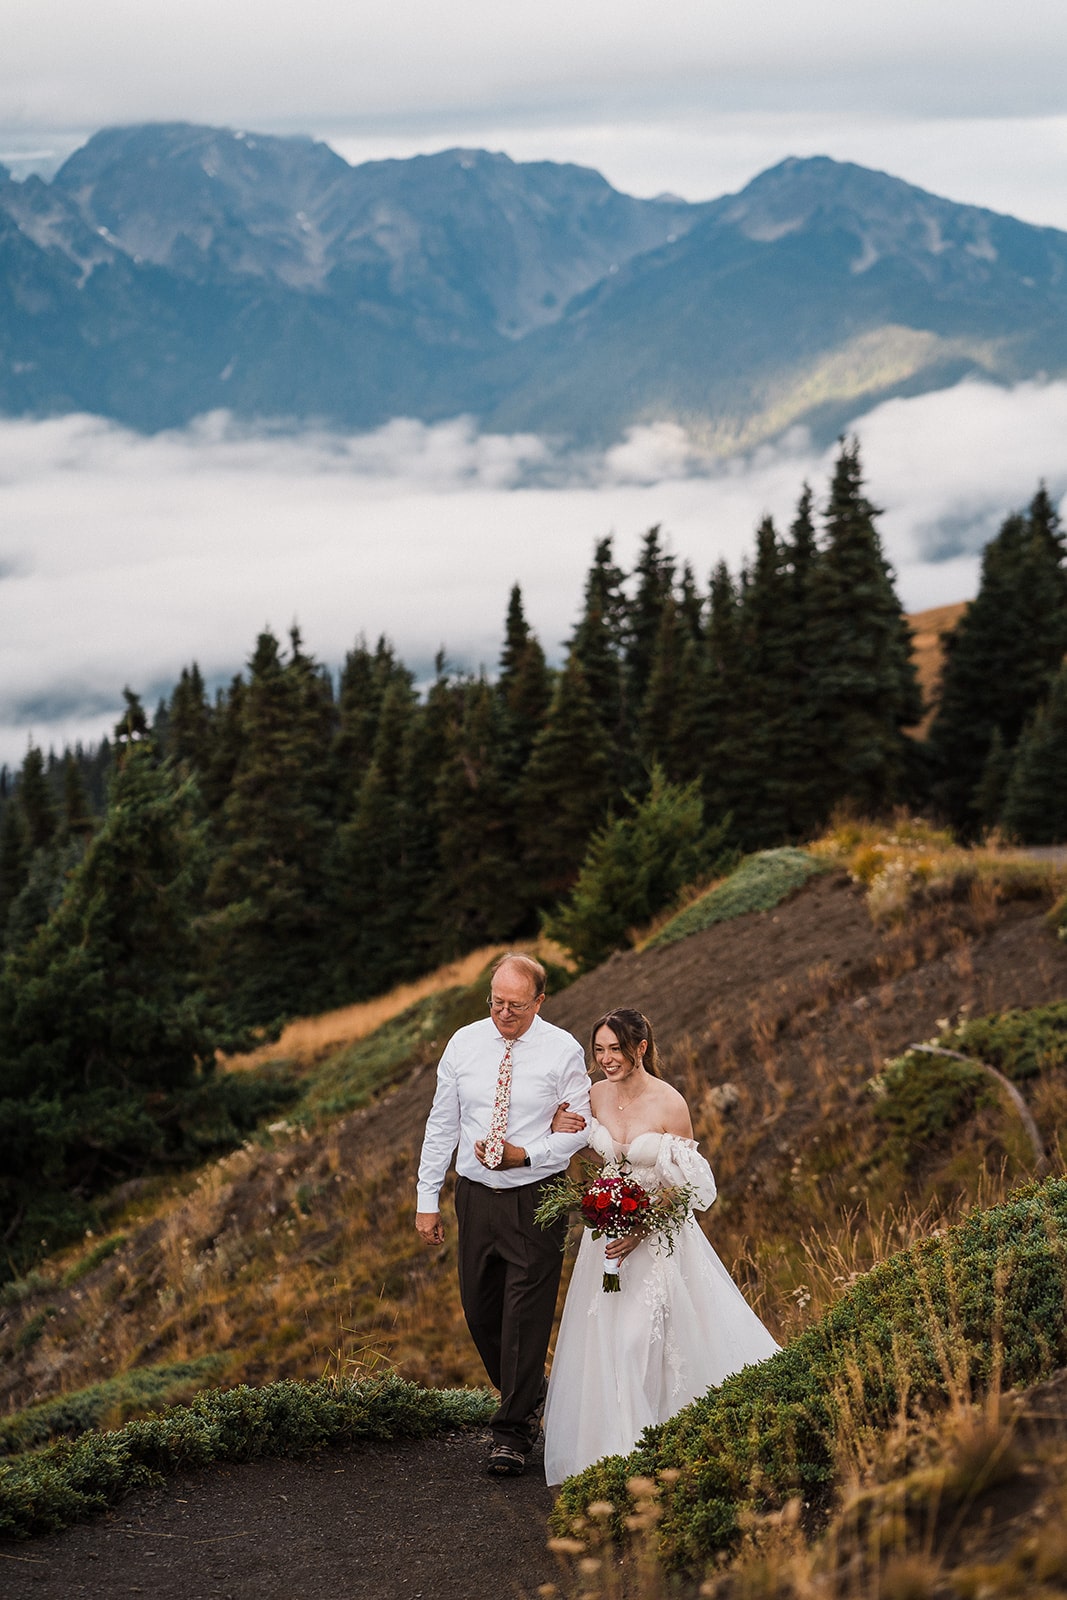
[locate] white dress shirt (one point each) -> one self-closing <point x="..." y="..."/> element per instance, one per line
<point x="547" y="1067"/>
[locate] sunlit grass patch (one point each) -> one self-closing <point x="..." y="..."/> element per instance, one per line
<point x="758" y="883"/>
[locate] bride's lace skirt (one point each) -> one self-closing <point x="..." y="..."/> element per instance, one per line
<point x="623" y="1361"/>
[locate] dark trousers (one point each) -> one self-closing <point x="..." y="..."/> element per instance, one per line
<point x="509" y="1271"/>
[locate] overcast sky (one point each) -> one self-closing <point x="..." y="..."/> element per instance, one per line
<point x="965" y="98"/>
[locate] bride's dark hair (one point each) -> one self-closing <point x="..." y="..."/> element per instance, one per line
<point x="631" y="1028"/>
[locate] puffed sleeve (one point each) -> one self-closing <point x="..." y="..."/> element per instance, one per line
<point x="678" y="1163"/>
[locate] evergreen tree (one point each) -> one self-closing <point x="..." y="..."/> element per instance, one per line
<point x="654" y="573"/>
<point x="566" y="786"/>
<point x="479" y="895"/>
<point x="993" y="786"/>
<point x="664" y="737"/>
<point x="864" y="691"/>
<point x="366" y="678"/>
<point x="102" y="1014"/>
<point x="35" y="801"/>
<point x="268" y="887"/>
<point x="188" y="733"/>
<point x="14" y="860"/>
<point x="765" y="694"/>
<point x="77" y="819"/>
<point x="799" y="627"/>
<point x="634" y="867"/>
<point x="525" y="688"/>
<point x="691" y="604"/>
<point x="597" y="642"/>
<point x="372" y="887"/>
<point x="1000" y="658"/>
<point x="1035" y="802"/>
<point x="225" y="747"/>
<point x="722" y="731"/>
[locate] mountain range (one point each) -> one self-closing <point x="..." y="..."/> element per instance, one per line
<point x="168" y="270"/>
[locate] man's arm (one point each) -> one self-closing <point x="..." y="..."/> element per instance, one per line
<point x="557" y="1148"/>
<point x="438" y="1144"/>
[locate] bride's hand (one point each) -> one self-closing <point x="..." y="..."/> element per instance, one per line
<point x="566" y="1121"/>
<point x="619" y="1249"/>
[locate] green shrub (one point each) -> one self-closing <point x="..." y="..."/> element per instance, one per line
<point x="1018" y="1043"/>
<point x="100" y="1252"/>
<point x="69" y="1481"/>
<point x="922" y="1098"/>
<point x="635" y="866"/>
<point x="760" y="882"/>
<point x="142" y="1389"/>
<point x="983" y="1301"/>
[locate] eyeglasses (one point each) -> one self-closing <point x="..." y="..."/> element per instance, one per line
<point x="509" y="1005"/>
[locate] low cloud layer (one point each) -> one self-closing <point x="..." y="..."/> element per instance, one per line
<point x="123" y="558"/>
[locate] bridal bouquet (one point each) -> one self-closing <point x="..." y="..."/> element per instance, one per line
<point x="613" y="1204"/>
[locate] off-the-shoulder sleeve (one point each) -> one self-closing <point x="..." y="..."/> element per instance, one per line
<point x="680" y="1162"/>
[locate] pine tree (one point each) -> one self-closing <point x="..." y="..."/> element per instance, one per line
<point x="102" y="1014"/>
<point x="566" y="787"/>
<point x="1001" y="657"/>
<point x="14" y="860"/>
<point x="654" y="573"/>
<point x="1035" y="802"/>
<point x="524" y="686"/>
<point x="188" y="733"/>
<point x="268" y="887"/>
<point x="597" y="642"/>
<point x="77" y="819"/>
<point x="225" y="747"/>
<point x="371" y="886"/>
<point x="864" y="691"/>
<point x="366" y="678"/>
<point x="479" y="894"/>
<point x="664" y="737"/>
<point x="634" y="867"/>
<point x="722" y="730"/>
<point x="765" y="694"/>
<point x="35" y="801"/>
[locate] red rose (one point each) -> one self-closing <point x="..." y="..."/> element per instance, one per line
<point x="629" y="1203"/>
<point x="603" y="1201"/>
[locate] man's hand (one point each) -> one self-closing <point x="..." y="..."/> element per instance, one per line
<point x="514" y="1156"/>
<point x="429" y="1227"/>
<point x="566" y="1120"/>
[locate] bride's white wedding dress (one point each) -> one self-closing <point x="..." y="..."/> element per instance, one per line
<point x="678" y="1325"/>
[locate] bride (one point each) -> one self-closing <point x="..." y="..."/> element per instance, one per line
<point x="679" y="1324"/>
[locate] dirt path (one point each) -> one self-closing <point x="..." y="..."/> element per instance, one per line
<point x="384" y="1522"/>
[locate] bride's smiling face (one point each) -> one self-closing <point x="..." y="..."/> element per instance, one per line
<point x="612" y="1059"/>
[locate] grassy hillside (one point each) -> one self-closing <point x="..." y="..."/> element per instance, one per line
<point x="297" y="1254"/>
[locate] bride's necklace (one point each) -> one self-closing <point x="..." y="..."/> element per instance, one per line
<point x="624" y="1105"/>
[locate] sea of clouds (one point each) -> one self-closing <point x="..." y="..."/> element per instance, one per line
<point x="123" y="558"/>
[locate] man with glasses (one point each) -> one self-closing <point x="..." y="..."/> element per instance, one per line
<point x="499" y="1084"/>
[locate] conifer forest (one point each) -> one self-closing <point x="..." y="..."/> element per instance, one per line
<point x="298" y="841"/>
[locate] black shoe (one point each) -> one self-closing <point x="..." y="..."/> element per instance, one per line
<point x="505" y="1462"/>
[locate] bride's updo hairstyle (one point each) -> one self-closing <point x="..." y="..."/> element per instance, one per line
<point x="631" y="1028"/>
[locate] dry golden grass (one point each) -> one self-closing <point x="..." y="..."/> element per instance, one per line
<point x="308" y="1038"/>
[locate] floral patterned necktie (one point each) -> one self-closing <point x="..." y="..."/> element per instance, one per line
<point x="498" y="1125"/>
